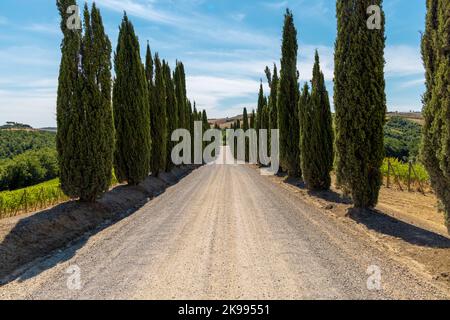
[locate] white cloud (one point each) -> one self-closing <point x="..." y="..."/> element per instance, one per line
<point x="209" y="92"/>
<point x="238" y="16"/>
<point x="43" y="28"/>
<point x="146" y="11"/>
<point x="28" y="56"/>
<point x="276" y="5"/>
<point x="35" y="107"/>
<point x="402" y="60"/>
<point x="412" y="83"/>
<point x="3" y="20"/>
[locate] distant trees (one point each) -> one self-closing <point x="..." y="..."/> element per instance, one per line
<point x="436" y="111"/>
<point x="85" y="137"/>
<point x="360" y="102"/>
<point x="287" y="99"/>
<point x="316" y="132"/>
<point x="131" y="111"/>
<point x="158" y="117"/>
<point x="29" y="168"/>
<point x="245" y="128"/>
<point x="173" y="122"/>
<point x="15" y="142"/>
<point x="273" y="80"/>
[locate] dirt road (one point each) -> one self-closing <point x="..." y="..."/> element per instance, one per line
<point x="223" y="232"/>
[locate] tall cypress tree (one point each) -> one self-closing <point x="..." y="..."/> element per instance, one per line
<point x="131" y="111"/>
<point x="253" y="120"/>
<point x="68" y="106"/>
<point x="287" y="100"/>
<point x="159" y="123"/>
<point x="259" y="110"/>
<point x="360" y="101"/>
<point x="316" y="132"/>
<point x="85" y="137"/>
<point x="172" y="112"/>
<point x="181" y="98"/>
<point x="149" y="68"/>
<point x="246" y="127"/>
<point x="273" y="114"/>
<point x="436" y="132"/>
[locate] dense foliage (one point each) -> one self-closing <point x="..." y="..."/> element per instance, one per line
<point x="85" y="137"/>
<point x="15" y="142"/>
<point x="360" y="101"/>
<point x="436" y="111"/>
<point x="316" y="132"/>
<point x="402" y="139"/>
<point x="287" y="99"/>
<point x="29" y="168"/>
<point x="131" y="109"/>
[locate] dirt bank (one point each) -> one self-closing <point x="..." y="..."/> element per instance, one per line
<point x="28" y="237"/>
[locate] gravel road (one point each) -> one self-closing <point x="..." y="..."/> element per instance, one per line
<point x="223" y="232"/>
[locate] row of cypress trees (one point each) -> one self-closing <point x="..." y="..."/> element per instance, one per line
<point x="436" y="132"/>
<point x="304" y="119"/>
<point x="125" y="124"/>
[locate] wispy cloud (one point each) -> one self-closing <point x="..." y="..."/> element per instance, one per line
<point x="239" y="17"/>
<point x="210" y="92"/>
<point x="3" y="20"/>
<point x="43" y="28"/>
<point x="402" y="60"/>
<point x="145" y="10"/>
<point x="276" y="4"/>
<point x="412" y="83"/>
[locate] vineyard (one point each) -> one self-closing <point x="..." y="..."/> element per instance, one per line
<point x="30" y="199"/>
<point x="405" y="175"/>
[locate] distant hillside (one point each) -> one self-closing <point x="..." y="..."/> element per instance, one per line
<point x="15" y="126"/>
<point x="412" y="116"/>
<point x="402" y="138"/>
<point x="226" y="123"/>
<point x="14" y="142"/>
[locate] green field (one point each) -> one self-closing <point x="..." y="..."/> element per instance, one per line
<point x="29" y="199"/>
<point x="418" y="174"/>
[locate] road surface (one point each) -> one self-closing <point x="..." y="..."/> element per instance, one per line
<point x="223" y="232"/>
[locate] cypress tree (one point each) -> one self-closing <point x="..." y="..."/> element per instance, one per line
<point x="436" y="133"/>
<point x="287" y="100"/>
<point x="181" y="98"/>
<point x="259" y="109"/>
<point x="316" y="133"/>
<point x="159" y="123"/>
<point x="253" y="120"/>
<point x="172" y="112"/>
<point x="273" y="83"/>
<point x="68" y="110"/>
<point x="360" y="102"/>
<point x="85" y="138"/>
<point x="131" y="111"/>
<point x="246" y="127"/>
<point x="149" y="69"/>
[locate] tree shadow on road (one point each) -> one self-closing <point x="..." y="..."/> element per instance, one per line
<point x="387" y="225"/>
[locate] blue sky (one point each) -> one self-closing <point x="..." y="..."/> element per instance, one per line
<point x="224" y="44"/>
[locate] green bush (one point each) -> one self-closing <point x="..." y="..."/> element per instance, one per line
<point x="15" y="142"/>
<point x="402" y="170"/>
<point x="28" y="169"/>
<point x="402" y="139"/>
